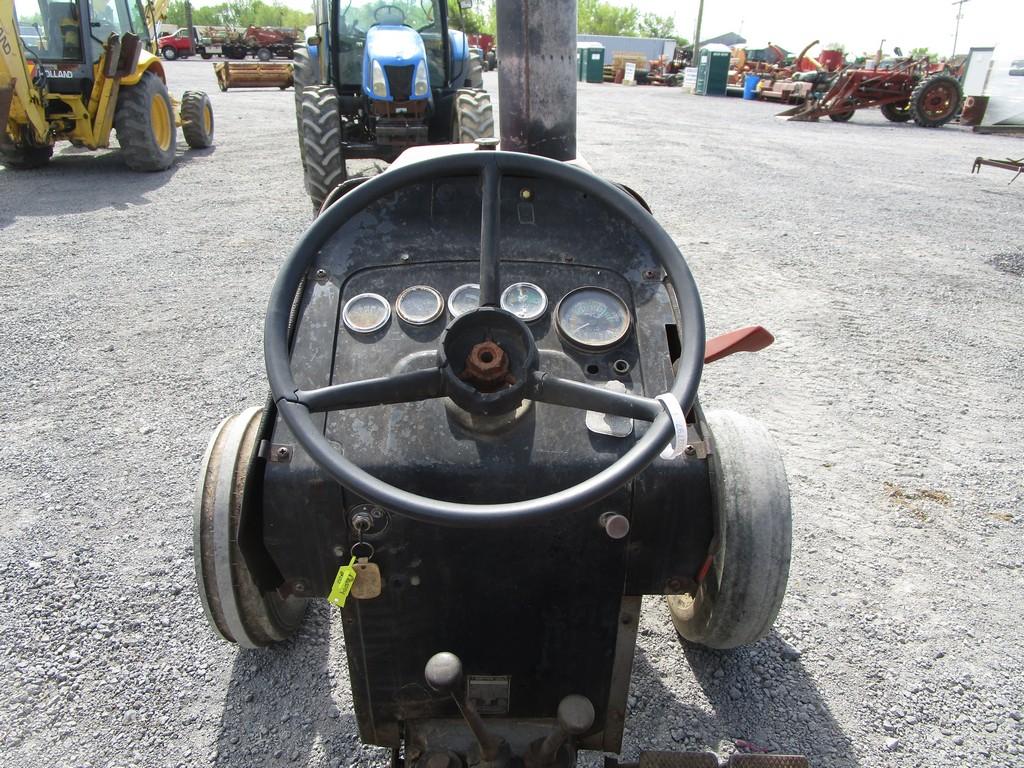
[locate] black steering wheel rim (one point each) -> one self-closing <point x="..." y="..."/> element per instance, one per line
<point x="298" y="415"/>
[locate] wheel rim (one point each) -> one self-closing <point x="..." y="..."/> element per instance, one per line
<point x="937" y="101"/>
<point x="160" y="120"/>
<point x="207" y="119"/>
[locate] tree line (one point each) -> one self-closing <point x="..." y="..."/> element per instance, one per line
<point x="240" y="13"/>
<point x="596" y="17"/>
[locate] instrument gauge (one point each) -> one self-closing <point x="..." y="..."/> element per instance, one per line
<point x="366" y="313"/>
<point x="526" y="301"/>
<point x="592" y="318"/>
<point x="419" y="305"/>
<point x="464" y="299"/>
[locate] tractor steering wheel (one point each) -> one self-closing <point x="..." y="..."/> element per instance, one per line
<point x="395" y="8"/>
<point x="467" y="337"/>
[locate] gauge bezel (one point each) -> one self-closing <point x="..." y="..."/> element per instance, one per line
<point x="567" y="336"/>
<point x="540" y="313"/>
<point x="406" y="319"/>
<point x="376" y="296"/>
<point x="451" y="297"/>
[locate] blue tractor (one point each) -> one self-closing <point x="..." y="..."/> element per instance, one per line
<point x="377" y="77"/>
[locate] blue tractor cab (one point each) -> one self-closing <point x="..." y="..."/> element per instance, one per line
<point x="377" y="77"/>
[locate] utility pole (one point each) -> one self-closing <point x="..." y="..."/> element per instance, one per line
<point x="696" y="35"/>
<point x="959" y="15"/>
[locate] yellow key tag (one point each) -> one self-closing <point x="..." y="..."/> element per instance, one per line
<point x="343" y="584"/>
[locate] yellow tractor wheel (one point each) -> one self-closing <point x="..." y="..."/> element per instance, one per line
<point x="23" y="158"/>
<point x="197" y="119"/>
<point x="145" y="124"/>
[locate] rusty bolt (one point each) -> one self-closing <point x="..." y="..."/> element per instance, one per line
<point x="487" y="363"/>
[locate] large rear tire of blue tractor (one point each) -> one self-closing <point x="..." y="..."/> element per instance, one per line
<point x="303" y="76"/>
<point x="740" y="594"/>
<point x="320" y="124"/>
<point x="473" y="116"/>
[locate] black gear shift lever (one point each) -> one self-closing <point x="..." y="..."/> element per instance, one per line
<point x="444" y="674"/>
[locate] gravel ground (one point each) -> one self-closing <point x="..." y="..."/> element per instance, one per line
<point x="130" y="324"/>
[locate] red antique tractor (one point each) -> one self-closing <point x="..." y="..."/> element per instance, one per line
<point x="903" y="91"/>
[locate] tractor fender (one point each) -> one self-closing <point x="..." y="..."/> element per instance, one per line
<point x="147" y="62"/>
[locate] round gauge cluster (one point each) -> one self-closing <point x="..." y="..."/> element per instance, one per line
<point x="526" y="301"/>
<point x="419" y="305"/>
<point x="593" y="318"/>
<point x="588" y="317"/>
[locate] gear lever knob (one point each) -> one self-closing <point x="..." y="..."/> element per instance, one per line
<point x="575" y="715"/>
<point x="444" y="674"/>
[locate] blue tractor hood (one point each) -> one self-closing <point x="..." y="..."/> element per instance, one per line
<point x="394" y="47"/>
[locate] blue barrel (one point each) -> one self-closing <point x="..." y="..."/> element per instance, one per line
<point x="750" y="87"/>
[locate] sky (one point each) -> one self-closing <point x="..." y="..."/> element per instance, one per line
<point x="859" y="25"/>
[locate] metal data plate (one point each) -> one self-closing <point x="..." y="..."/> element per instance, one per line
<point x="489" y="693"/>
<point x="606" y="424"/>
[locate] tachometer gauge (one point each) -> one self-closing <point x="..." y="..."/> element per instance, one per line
<point x="592" y="318"/>
<point x="463" y="299"/>
<point x="419" y="305"/>
<point x="366" y="313"/>
<point x="525" y="300"/>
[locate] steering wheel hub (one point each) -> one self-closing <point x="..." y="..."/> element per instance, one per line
<point x="488" y="355"/>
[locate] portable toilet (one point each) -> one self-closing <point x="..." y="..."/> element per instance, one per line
<point x="713" y="70"/>
<point x="590" y="60"/>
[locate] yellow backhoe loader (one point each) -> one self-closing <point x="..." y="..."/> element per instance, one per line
<point x="75" y="70"/>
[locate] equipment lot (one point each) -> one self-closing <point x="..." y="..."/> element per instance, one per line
<point x="131" y="316"/>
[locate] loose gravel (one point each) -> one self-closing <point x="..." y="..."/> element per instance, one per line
<point x="130" y="324"/>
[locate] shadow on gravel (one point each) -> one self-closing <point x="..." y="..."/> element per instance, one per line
<point x="82" y="181"/>
<point x="757" y="697"/>
<point x="279" y="704"/>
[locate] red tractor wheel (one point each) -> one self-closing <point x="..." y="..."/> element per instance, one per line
<point x="897" y="112"/>
<point x="936" y="101"/>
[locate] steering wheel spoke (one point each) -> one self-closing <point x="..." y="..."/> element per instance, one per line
<point x="490" y="261"/>
<point x="386" y="390"/>
<point x="546" y="388"/>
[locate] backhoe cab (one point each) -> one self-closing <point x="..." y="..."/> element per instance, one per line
<point x="75" y="70"/>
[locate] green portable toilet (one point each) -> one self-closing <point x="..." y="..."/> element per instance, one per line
<point x="590" y="61"/>
<point x="713" y="70"/>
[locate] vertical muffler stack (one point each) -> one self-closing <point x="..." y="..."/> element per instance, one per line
<point x="537" y="77"/>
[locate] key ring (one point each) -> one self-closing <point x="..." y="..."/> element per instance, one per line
<point x="361" y="544"/>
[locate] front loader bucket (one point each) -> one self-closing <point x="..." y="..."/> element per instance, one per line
<point x="234" y="74"/>
<point x="809" y="112"/>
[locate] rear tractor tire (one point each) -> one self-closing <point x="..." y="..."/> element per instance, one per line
<point x="740" y="596"/>
<point x="474" y="72"/>
<point x="145" y="124"/>
<point x="898" y="112"/>
<point x="323" y="159"/>
<point x="197" y="119"/>
<point x="236" y="607"/>
<point x="936" y="100"/>
<point x="303" y="75"/>
<point x="25" y="158"/>
<point x="473" y="117"/>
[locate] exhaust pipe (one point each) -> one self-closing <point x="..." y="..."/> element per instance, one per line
<point x="537" y="77"/>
